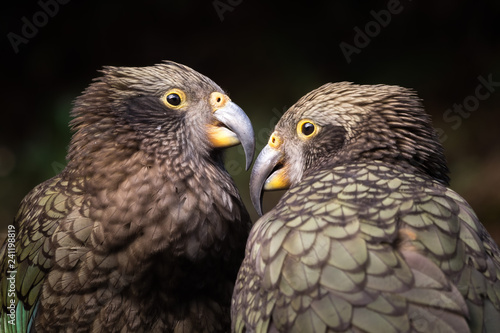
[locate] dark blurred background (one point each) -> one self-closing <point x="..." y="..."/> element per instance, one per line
<point x="266" y="55"/>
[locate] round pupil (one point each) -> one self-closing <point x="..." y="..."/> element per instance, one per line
<point x="307" y="128"/>
<point x="174" y="99"/>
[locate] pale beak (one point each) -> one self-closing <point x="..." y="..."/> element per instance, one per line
<point x="263" y="178"/>
<point x="232" y="127"/>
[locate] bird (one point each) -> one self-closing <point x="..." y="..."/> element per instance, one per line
<point x="144" y="230"/>
<point x="368" y="236"/>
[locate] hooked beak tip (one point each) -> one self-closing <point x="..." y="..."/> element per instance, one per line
<point x="260" y="178"/>
<point x="235" y="119"/>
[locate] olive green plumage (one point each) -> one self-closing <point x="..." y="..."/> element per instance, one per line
<point x="144" y="230"/>
<point x="368" y="238"/>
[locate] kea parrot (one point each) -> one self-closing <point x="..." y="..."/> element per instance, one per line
<point x="368" y="236"/>
<point x="144" y="230"/>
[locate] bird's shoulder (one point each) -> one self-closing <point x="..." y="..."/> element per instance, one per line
<point x="52" y="206"/>
<point x="360" y="246"/>
<point x="55" y="204"/>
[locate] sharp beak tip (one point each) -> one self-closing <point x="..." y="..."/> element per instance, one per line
<point x="249" y="155"/>
<point x="262" y="168"/>
<point x="256" y="197"/>
<point x="238" y="122"/>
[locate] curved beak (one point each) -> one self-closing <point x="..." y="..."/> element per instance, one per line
<point x="232" y="127"/>
<point x="268" y="173"/>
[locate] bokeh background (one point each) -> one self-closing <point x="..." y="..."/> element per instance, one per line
<point x="266" y="55"/>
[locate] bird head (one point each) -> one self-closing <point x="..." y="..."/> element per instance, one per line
<point x="343" y="123"/>
<point x="158" y="110"/>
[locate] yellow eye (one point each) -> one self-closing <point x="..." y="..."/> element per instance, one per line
<point x="174" y="98"/>
<point x="307" y="129"/>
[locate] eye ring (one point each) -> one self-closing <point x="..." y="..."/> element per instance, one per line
<point x="174" y="98"/>
<point x="307" y="129"/>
